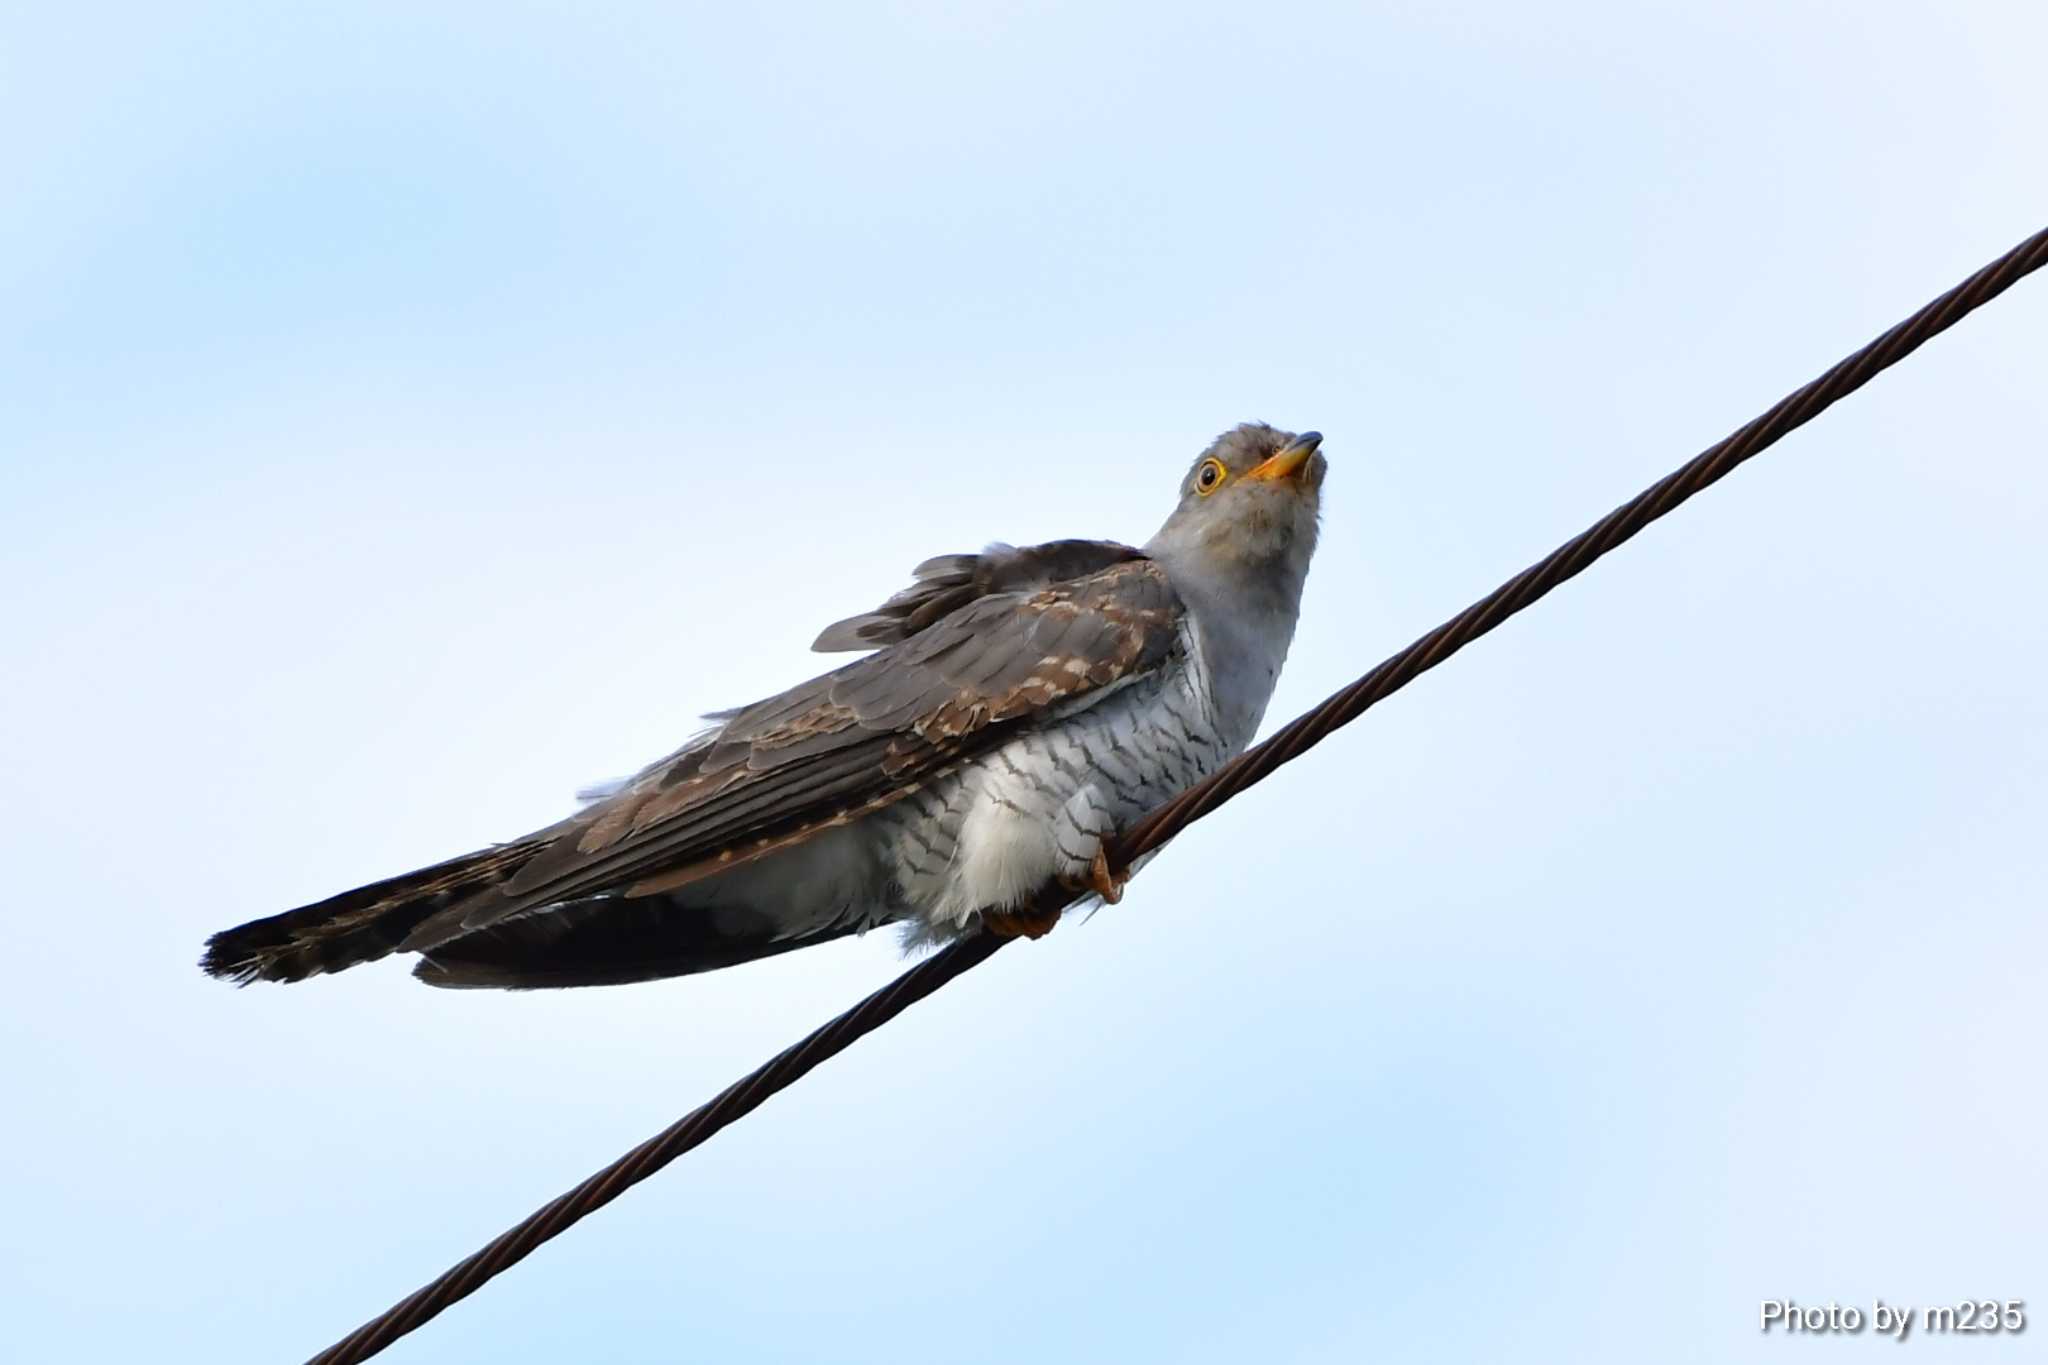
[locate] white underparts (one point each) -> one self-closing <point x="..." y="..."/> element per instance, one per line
<point x="991" y="837"/>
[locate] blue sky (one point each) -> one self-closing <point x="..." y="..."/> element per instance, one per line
<point x="410" y="413"/>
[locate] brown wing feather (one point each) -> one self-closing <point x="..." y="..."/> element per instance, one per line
<point x="950" y="582"/>
<point x="848" y="743"/>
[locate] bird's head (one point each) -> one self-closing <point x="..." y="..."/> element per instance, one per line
<point x="1249" y="505"/>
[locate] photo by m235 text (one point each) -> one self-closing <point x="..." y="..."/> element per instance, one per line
<point x="1975" y="1317"/>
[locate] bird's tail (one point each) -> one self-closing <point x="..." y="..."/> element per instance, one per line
<point x="357" y="926"/>
<point x="610" y="941"/>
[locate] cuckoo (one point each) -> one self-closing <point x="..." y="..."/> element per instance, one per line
<point x="1011" y="711"/>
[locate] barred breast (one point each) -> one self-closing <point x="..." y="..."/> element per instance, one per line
<point x="992" y="835"/>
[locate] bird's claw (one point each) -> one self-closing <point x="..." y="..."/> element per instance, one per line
<point x="1099" y="880"/>
<point x="1026" y="923"/>
<point x="1036" y="922"/>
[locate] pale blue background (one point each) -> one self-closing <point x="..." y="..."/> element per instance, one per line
<point x="412" y="412"/>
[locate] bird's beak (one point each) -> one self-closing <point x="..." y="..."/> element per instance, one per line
<point x="1291" y="459"/>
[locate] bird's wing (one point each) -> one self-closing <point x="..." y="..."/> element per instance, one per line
<point x="950" y="582"/>
<point x="834" y="749"/>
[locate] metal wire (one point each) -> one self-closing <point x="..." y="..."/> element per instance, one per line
<point x="1251" y="767"/>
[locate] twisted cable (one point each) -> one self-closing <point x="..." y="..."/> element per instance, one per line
<point x="1248" y="769"/>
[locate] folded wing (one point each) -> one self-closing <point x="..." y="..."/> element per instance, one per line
<point x="841" y="746"/>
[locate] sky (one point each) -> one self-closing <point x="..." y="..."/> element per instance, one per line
<point x="410" y="413"/>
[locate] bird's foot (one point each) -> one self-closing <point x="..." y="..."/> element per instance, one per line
<point x="1029" y="922"/>
<point x="1099" y="880"/>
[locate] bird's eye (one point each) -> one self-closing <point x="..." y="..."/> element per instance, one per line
<point x="1210" y="477"/>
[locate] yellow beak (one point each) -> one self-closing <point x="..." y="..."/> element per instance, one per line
<point x="1290" y="459"/>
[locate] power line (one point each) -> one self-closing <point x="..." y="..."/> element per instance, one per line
<point x="1253" y="766"/>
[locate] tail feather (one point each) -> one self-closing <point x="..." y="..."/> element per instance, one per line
<point x="610" y="941"/>
<point x="357" y="926"/>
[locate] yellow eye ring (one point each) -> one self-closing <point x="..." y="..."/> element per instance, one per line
<point x="1210" y="477"/>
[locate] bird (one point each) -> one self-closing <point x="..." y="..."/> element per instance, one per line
<point x="1010" y="712"/>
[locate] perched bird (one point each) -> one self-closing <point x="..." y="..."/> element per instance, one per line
<point x="1019" y="707"/>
